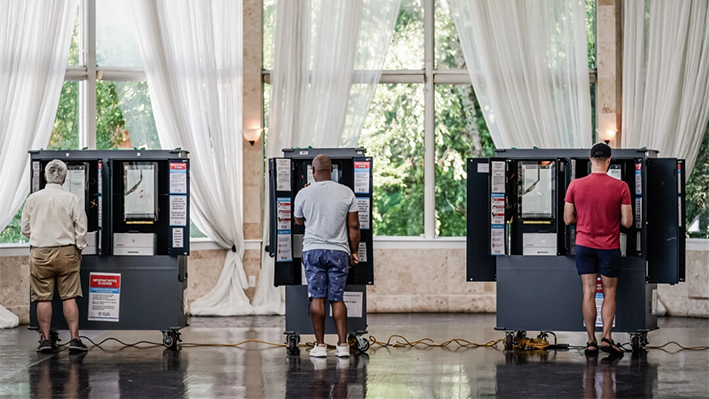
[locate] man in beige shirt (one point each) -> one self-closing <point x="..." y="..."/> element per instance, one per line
<point x="56" y="225"/>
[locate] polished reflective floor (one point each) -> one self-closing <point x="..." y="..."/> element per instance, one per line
<point x="255" y="371"/>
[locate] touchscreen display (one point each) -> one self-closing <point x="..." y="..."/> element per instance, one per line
<point x="536" y="189"/>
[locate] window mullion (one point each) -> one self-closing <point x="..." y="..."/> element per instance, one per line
<point x="87" y="95"/>
<point x="429" y="180"/>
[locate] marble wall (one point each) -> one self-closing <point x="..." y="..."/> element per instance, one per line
<point x="15" y="286"/>
<point x="692" y="297"/>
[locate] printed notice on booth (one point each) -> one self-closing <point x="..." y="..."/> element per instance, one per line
<point x="282" y="174"/>
<point x="104" y="296"/>
<point x="178" y="237"/>
<point x="498" y="177"/>
<point x="178" y="210"/>
<point x="283" y="213"/>
<point x="363" y="213"/>
<point x="178" y="178"/>
<point x="353" y="303"/>
<point x="362" y="173"/>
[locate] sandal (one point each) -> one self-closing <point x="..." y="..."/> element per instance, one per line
<point x="590" y="351"/>
<point x="611" y="348"/>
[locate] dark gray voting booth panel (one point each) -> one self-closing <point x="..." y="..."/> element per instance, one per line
<point x="543" y="292"/>
<point x="152" y="288"/>
<point x="287" y="176"/>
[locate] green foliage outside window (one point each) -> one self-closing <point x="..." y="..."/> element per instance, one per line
<point x="697" y="190"/>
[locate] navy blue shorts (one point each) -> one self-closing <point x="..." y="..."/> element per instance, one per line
<point x="326" y="271"/>
<point x="595" y="261"/>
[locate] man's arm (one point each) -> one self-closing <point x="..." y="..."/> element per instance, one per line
<point x="569" y="213"/>
<point x="299" y="221"/>
<point x="80" y="225"/>
<point x="626" y="215"/>
<point x="25" y="221"/>
<point x="353" y="226"/>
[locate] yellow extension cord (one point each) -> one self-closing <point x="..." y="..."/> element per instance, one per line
<point x="399" y="342"/>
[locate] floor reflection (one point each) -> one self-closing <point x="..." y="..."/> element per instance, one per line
<point x="327" y="378"/>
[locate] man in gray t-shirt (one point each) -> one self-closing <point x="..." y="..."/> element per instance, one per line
<point x="329" y="211"/>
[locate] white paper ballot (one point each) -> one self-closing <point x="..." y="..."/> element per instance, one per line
<point x="178" y="178"/>
<point x="362" y="252"/>
<point x="139" y="185"/>
<point x="75" y="182"/>
<point x="363" y="213"/>
<point x="178" y="240"/>
<point x="362" y="173"/>
<point x="178" y="210"/>
<point x="282" y="174"/>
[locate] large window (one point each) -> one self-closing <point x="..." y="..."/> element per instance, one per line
<point x="424" y="121"/>
<point x="697" y="192"/>
<point x="105" y="101"/>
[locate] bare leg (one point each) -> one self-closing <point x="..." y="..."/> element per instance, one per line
<point x="317" y="313"/>
<point x="71" y="314"/>
<point x="608" y="309"/>
<point x="339" y="313"/>
<point x="44" y="318"/>
<point x="589" y="304"/>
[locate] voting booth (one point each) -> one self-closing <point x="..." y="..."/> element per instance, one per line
<point x="287" y="176"/>
<point x="134" y="271"/>
<point x="516" y="236"/>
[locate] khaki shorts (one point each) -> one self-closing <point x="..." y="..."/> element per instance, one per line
<point x="57" y="265"/>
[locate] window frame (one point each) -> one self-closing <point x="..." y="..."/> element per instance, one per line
<point x="429" y="76"/>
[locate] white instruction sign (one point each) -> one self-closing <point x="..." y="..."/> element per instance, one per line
<point x="178" y="237"/>
<point x="104" y="296"/>
<point x="363" y="212"/>
<point x="178" y="210"/>
<point x="284" y="251"/>
<point x="35" y="176"/>
<point x="483" y="168"/>
<point x="362" y="173"/>
<point x="497" y="241"/>
<point x="282" y="174"/>
<point x="283" y="213"/>
<point x="362" y="252"/>
<point x="353" y="303"/>
<point x="498" y="177"/>
<point x="178" y="178"/>
<point x="498" y="208"/>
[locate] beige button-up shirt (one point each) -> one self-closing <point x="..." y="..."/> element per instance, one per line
<point x="53" y="217"/>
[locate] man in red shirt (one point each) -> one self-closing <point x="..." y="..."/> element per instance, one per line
<point x="598" y="204"/>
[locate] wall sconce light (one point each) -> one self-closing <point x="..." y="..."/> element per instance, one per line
<point x="607" y="135"/>
<point x="252" y="135"/>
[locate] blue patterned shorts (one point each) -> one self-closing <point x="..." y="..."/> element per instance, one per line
<point x="326" y="271"/>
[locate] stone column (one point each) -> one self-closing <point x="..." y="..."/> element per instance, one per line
<point x="253" y="115"/>
<point x="609" y="52"/>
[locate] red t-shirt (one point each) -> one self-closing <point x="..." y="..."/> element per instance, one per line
<point x="597" y="198"/>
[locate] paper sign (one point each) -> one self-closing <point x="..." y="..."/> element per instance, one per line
<point x="178" y="237"/>
<point x="104" y="296"/>
<point x="284" y="251"/>
<point x="638" y="178"/>
<point x="35" y="176"/>
<point x="100" y="178"/>
<point x="498" y="208"/>
<point x="178" y="210"/>
<point x="497" y="240"/>
<point x="362" y="173"/>
<point x="283" y="213"/>
<point x="75" y="183"/>
<point x="599" y="304"/>
<point x="363" y="204"/>
<point x="638" y="213"/>
<point x="178" y="178"/>
<point x="483" y="168"/>
<point x="282" y="174"/>
<point x="362" y="252"/>
<point x="353" y="303"/>
<point x="498" y="177"/>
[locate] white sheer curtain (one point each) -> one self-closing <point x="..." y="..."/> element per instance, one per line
<point x="193" y="60"/>
<point x="666" y="76"/>
<point x="34" y="46"/>
<point x="327" y="63"/>
<point x="528" y="64"/>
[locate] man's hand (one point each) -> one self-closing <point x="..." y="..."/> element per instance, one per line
<point x="354" y="259"/>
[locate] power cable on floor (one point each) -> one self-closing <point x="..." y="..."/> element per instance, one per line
<point x="399" y="341"/>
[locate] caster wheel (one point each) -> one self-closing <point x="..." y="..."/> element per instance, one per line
<point x="509" y="342"/>
<point x="635" y="342"/>
<point x="170" y="339"/>
<point x="292" y="342"/>
<point x="362" y="344"/>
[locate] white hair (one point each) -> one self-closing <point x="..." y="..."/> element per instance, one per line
<point x="55" y="172"/>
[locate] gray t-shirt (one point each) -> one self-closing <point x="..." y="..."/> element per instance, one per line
<point x="325" y="206"/>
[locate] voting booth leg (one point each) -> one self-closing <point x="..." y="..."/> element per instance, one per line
<point x="298" y="319"/>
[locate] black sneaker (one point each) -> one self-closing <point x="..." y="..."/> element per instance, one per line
<point x="75" y="345"/>
<point x="45" y="346"/>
